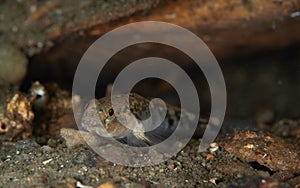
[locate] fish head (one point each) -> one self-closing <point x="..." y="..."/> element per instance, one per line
<point x="99" y="117"/>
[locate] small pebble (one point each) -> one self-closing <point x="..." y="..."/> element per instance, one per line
<point x="47" y="161"/>
<point x="80" y="158"/>
<point x="107" y="185"/>
<point x="213" y="147"/>
<point x="46" y="149"/>
<point x="13" y="64"/>
<point x="80" y="185"/>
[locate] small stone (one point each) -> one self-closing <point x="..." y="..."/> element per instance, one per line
<point x="80" y="185"/>
<point x="81" y="138"/>
<point x="80" y="158"/>
<point x="209" y="156"/>
<point x="107" y="185"/>
<point x="46" y="149"/>
<point x="171" y="166"/>
<point x="213" y="147"/>
<point x="13" y="64"/>
<point x="47" y="161"/>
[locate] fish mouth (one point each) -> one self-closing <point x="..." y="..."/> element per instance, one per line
<point x="118" y="132"/>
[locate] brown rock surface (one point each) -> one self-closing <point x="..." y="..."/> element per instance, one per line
<point x="228" y="27"/>
<point x="266" y="149"/>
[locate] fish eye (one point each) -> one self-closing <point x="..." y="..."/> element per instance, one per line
<point x="111" y="112"/>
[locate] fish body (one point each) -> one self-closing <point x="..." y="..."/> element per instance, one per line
<point x="102" y="111"/>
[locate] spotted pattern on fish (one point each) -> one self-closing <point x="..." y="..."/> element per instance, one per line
<point x="139" y="107"/>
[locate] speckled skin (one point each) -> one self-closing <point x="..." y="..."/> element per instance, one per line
<point x="139" y="107"/>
